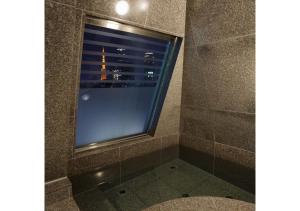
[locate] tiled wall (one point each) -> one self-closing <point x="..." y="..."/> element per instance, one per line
<point x="63" y="30"/>
<point x="218" y="90"/>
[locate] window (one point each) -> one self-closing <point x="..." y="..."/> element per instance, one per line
<point x="125" y="72"/>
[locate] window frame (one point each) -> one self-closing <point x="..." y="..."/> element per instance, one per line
<point x="167" y="71"/>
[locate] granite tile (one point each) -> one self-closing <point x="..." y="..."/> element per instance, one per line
<point x="235" y="155"/>
<point x="124" y="199"/>
<point x="56" y="196"/>
<point x="235" y="129"/>
<point x="74" y="78"/>
<point x="217" y="20"/>
<point x="212" y="187"/>
<point x="188" y="39"/>
<point x="140" y="148"/>
<point x="107" y="7"/>
<point x="182" y="204"/>
<point x="242" y="195"/>
<point x="197" y="123"/>
<point x="95" y="161"/>
<point x="59" y="31"/>
<point x="142" y="180"/>
<point x="93" y="200"/>
<point x="56" y="162"/>
<point x="156" y="192"/>
<point x="173" y="96"/>
<point x="57" y="184"/>
<point x="169" y="120"/>
<point x="183" y="181"/>
<point x="102" y="178"/>
<point x="197" y="151"/>
<point x="140" y="157"/>
<point x="66" y="204"/>
<point x="229" y="69"/>
<point x="57" y="190"/>
<point x="235" y="166"/>
<point x="231" y="204"/>
<point x="194" y="91"/>
<point x="170" y="148"/>
<point x="247" y="207"/>
<point x="67" y="2"/>
<point x="168" y="15"/>
<point x="201" y="204"/>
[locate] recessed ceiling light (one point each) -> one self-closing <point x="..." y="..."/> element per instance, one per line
<point x="122" y="7"/>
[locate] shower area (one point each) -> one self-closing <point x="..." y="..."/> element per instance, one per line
<point x="148" y="102"/>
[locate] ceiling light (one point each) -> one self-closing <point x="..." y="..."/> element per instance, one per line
<point x="122" y="7"/>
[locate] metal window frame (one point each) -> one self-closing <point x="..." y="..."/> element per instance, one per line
<point x="167" y="71"/>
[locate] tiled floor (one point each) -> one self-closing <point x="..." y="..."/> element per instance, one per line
<point x="172" y="180"/>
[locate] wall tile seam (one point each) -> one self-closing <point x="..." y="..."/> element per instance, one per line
<point x="229" y="39"/>
<point x="195" y="137"/>
<point x="77" y="58"/>
<point x="235" y="147"/>
<point x="232" y="111"/>
<point x="60" y="3"/>
<point x="192" y="35"/>
<point x="146" y="19"/>
<point x="218" y="110"/>
<point x="205" y="79"/>
<point x="57" y="180"/>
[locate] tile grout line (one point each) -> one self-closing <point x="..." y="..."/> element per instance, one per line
<point x="217" y="110"/>
<point x="238" y="148"/>
<point x="59" y="3"/>
<point x="226" y="40"/>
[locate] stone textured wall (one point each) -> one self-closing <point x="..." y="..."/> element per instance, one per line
<point x="63" y="31"/>
<point x="218" y="90"/>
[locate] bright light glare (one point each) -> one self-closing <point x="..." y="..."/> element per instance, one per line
<point x="144" y="5"/>
<point x="112" y="25"/>
<point x="122" y="7"/>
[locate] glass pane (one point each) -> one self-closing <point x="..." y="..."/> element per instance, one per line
<point x="120" y="76"/>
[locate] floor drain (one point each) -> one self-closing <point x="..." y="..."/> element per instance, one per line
<point x="185" y="195"/>
<point x="122" y="191"/>
<point x="229" y="197"/>
<point x="173" y="167"/>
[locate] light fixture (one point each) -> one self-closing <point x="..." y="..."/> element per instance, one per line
<point x="122" y="7"/>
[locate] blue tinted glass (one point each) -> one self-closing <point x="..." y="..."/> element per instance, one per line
<point x="119" y="80"/>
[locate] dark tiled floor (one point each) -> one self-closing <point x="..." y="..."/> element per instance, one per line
<point x="172" y="180"/>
